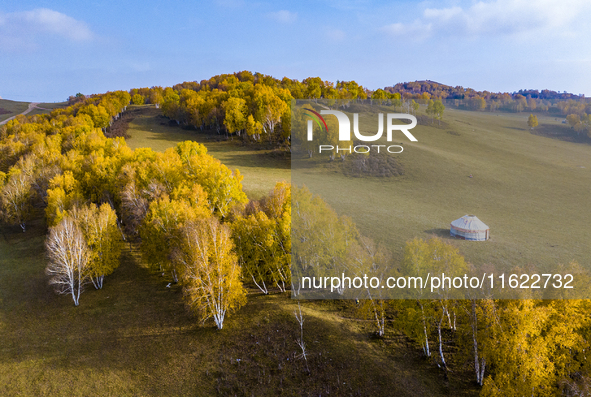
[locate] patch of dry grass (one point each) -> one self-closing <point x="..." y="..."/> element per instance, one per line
<point x="11" y="108"/>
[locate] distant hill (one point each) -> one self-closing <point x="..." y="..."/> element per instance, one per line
<point x="444" y="91"/>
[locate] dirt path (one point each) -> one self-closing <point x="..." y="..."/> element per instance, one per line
<point x="32" y="106"/>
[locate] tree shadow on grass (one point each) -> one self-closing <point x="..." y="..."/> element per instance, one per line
<point x="441" y="233"/>
<point x="134" y="304"/>
<point x="236" y="159"/>
<point x="561" y="132"/>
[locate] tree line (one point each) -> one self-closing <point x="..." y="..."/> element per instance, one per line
<point x="255" y="107"/>
<point x="523" y="100"/>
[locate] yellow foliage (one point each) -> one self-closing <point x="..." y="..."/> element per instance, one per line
<point x="63" y="194"/>
<point x="210" y="270"/>
<point x="103" y="238"/>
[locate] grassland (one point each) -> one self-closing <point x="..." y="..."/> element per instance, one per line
<point x="262" y="169"/>
<point x="531" y="190"/>
<point x="135" y="338"/>
<point x="11" y="108"/>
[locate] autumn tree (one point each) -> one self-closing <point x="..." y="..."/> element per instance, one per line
<point x="69" y="257"/>
<point x="368" y="258"/>
<point x="40" y="166"/>
<point x="536" y="345"/>
<point x="580" y="123"/>
<point x="269" y="108"/>
<point x="434" y="255"/>
<point x="15" y="198"/>
<point x="210" y="270"/>
<point x="584" y="125"/>
<point x="479" y="322"/>
<point x="430" y="111"/>
<point x="476" y="103"/>
<point x="134" y="207"/>
<point x="236" y="115"/>
<point x="415" y="106"/>
<point x="63" y="194"/>
<point x="532" y="121"/>
<point x="99" y="115"/>
<point x="299" y="132"/>
<point x="438" y="109"/>
<point x="137" y="99"/>
<point x="314" y="87"/>
<point x="253" y="128"/>
<point x="435" y="109"/>
<point x="320" y="238"/>
<point x="11" y="148"/>
<point x="262" y="236"/>
<point x="223" y="187"/>
<point x="161" y="231"/>
<point x="379" y="95"/>
<point x="531" y="103"/>
<point x="573" y="119"/>
<point x="103" y="238"/>
<point x="156" y="98"/>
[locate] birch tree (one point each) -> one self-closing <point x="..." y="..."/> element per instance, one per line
<point x="532" y="121"/>
<point x="415" y="263"/>
<point x="210" y="270"/>
<point x="481" y="318"/>
<point x="68" y="259"/>
<point x="320" y="237"/>
<point x="369" y="259"/>
<point x="100" y="230"/>
<point x="161" y="230"/>
<point x="536" y="345"/>
<point x="64" y="193"/>
<point x="263" y="239"/>
<point x="269" y="107"/>
<point x="15" y="198"/>
<point x="236" y="115"/>
<point x="223" y="187"/>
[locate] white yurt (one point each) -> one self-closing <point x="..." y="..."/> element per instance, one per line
<point x="469" y="227"/>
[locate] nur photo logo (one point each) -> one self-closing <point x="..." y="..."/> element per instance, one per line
<point x="344" y="130"/>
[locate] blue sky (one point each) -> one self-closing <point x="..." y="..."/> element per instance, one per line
<point x="52" y="49"/>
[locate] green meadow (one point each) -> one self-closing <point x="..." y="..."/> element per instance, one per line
<point x="529" y="187"/>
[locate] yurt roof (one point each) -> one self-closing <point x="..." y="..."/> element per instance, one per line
<point x="469" y="222"/>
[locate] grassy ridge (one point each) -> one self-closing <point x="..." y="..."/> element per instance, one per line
<point x="11" y="108"/>
<point x="46" y="108"/>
